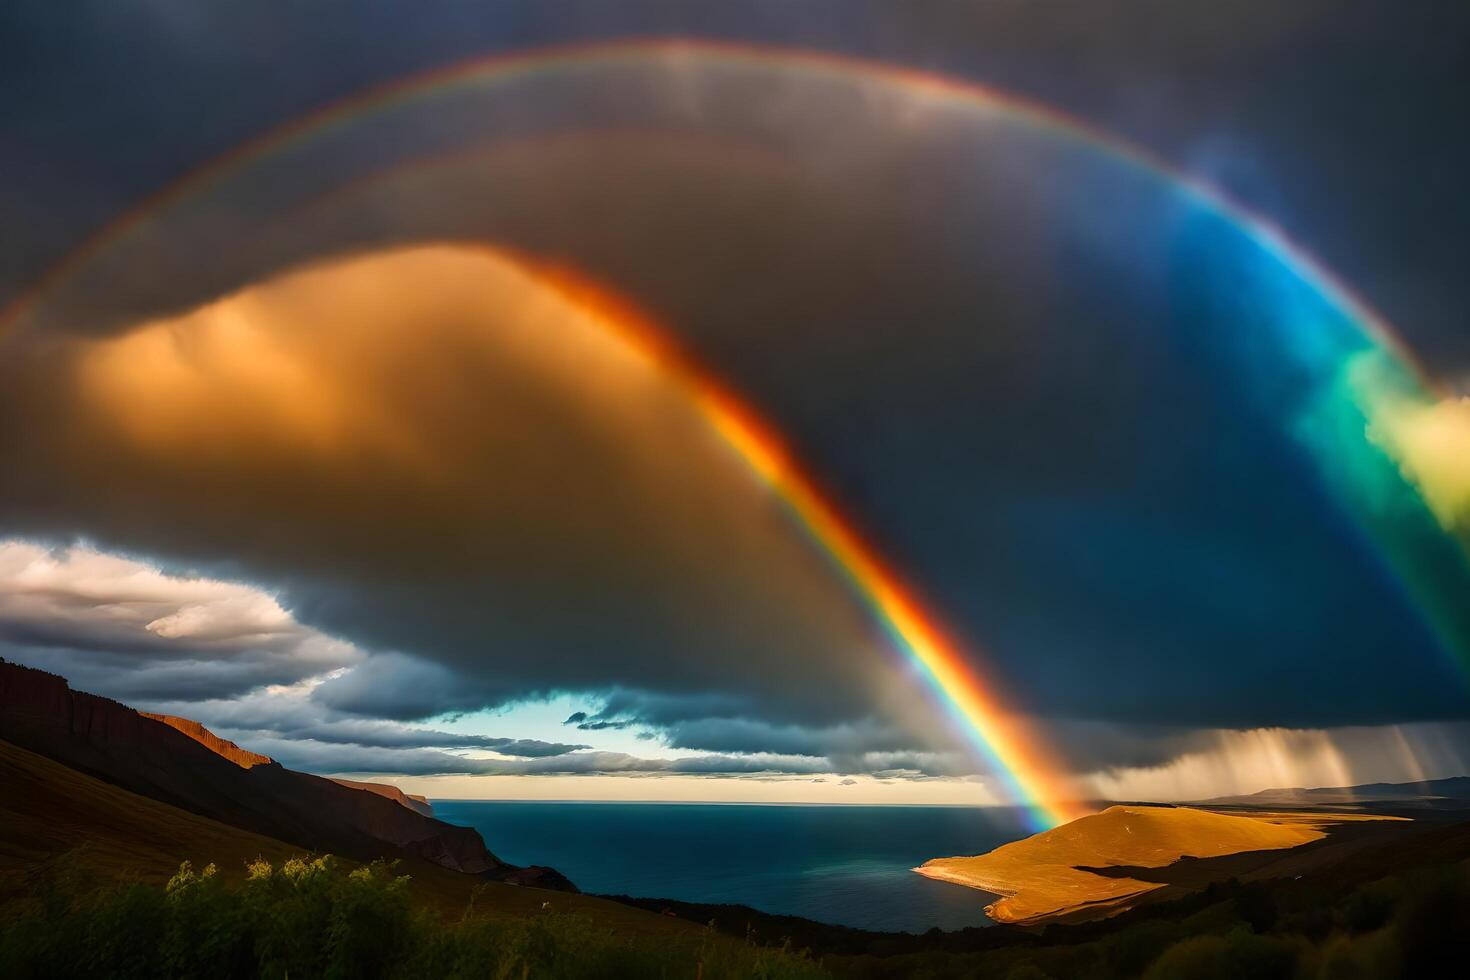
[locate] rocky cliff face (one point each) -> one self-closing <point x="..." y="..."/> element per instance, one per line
<point x="221" y="747"/>
<point x="184" y="764"/>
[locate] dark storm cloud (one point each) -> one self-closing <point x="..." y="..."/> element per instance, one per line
<point x="1320" y="104"/>
<point x="1095" y="745"/>
<point x="334" y="757"/>
<point x="866" y="746"/>
<point x="533" y="748"/>
<point x="213" y="651"/>
<point x="325" y="757"/>
<point x="750" y="735"/>
<point x="398" y="527"/>
<point x="293" y="715"/>
<point x="628" y="706"/>
<point x="391" y="685"/>
<point x="139" y="682"/>
<point x="973" y="333"/>
<point x="579" y="718"/>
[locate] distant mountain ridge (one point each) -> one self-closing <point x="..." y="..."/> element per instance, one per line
<point x="182" y="763"/>
<point x="1430" y="792"/>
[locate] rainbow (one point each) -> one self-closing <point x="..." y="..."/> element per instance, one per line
<point x="1031" y="774"/>
<point x="1018" y="755"/>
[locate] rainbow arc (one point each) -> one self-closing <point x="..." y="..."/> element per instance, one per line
<point x="1032" y="773"/>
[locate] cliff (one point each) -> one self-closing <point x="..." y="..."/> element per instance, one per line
<point x="417" y="804"/>
<point x="181" y="763"/>
<point x="219" y="746"/>
<point x="247" y="759"/>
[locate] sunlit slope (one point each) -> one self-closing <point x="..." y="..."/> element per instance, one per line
<point x="50" y="812"/>
<point x="1042" y="876"/>
<point x="48" y="809"/>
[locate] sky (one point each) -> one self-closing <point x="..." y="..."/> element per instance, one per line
<point x="364" y="449"/>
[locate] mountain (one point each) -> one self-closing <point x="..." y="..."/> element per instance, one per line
<point x="181" y="763"/>
<point x="59" y="825"/>
<point x="246" y="759"/>
<point x="49" y="810"/>
<point x="1451" y="793"/>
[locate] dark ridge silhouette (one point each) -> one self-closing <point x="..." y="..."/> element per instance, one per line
<point x="243" y="758"/>
<point x="1451" y="793"/>
<point x="181" y="763"/>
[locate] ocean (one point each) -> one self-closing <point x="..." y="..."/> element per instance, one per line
<point x="841" y="864"/>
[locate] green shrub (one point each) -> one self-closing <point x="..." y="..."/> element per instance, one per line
<point x="312" y="918"/>
<point x="1368" y="957"/>
<point x="1432" y="924"/>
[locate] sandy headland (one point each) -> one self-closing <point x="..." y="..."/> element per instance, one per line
<point x="1046" y="876"/>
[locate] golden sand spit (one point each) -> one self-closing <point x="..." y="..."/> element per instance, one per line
<point x="1041" y="877"/>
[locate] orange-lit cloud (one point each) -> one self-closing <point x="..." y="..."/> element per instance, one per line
<point x="432" y="452"/>
<point x="340" y="359"/>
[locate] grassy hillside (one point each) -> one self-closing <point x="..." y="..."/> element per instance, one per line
<point x="48" y="811"/>
<point x="1049" y="874"/>
<point x="179" y="763"/>
<point x="86" y="867"/>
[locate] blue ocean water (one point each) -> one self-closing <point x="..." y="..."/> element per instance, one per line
<point x="843" y="864"/>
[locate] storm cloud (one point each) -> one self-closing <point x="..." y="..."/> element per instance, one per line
<point x="522" y="506"/>
<point x="1008" y="358"/>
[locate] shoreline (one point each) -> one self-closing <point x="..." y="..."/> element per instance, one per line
<point x="1005" y="909"/>
<point x="1062" y="873"/>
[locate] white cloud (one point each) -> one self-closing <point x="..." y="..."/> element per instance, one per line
<point x="132" y="628"/>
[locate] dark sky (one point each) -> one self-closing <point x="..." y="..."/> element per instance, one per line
<point x="1117" y="512"/>
<point x="1339" y="119"/>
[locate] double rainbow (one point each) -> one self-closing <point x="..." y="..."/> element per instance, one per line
<point x="1032" y="775"/>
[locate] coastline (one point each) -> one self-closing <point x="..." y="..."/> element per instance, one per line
<point x="1012" y="906"/>
<point x="1062" y="874"/>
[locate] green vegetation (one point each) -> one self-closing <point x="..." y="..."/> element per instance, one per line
<point x="306" y="918"/>
<point x="316" y="918"/>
